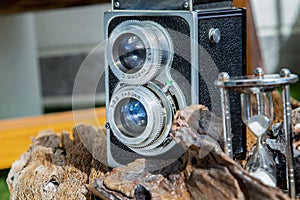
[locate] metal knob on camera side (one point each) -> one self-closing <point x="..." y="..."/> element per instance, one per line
<point x="214" y="35"/>
<point x="257" y="114"/>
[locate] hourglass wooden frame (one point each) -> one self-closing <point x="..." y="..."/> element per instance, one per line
<point x="260" y="82"/>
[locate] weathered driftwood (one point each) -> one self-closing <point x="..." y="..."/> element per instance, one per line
<point x="56" y="167"/>
<point x="215" y="175"/>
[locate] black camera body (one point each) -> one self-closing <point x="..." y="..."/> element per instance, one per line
<point x="162" y="57"/>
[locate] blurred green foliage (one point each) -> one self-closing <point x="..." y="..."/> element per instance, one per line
<point x="295" y="90"/>
<point x="4" y="193"/>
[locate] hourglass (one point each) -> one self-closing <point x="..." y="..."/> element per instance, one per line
<point x="257" y="114"/>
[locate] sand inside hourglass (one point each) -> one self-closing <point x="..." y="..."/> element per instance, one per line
<point x="258" y="124"/>
<point x="265" y="177"/>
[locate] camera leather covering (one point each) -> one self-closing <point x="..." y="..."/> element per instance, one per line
<point x="229" y="55"/>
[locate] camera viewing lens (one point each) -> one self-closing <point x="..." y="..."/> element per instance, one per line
<point x="131" y="51"/>
<point x="132" y="117"/>
<point x="138" y="50"/>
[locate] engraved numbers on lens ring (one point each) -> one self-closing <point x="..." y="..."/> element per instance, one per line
<point x="149" y="54"/>
<point x="123" y="95"/>
<point x="134" y="76"/>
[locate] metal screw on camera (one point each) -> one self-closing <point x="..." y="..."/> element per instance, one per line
<point x="117" y="4"/>
<point x="186" y="4"/>
<point x="107" y="126"/>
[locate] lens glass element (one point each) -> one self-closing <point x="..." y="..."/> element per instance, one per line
<point x="131" y="118"/>
<point x="130" y="50"/>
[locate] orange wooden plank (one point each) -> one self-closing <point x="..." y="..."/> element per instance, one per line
<point x="254" y="55"/>
<point x="15" y="134"/>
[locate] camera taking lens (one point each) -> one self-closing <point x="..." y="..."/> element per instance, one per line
<point x="133" y="117"/>
<point x="141" y="117"/>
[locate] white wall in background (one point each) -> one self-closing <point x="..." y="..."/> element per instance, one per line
<point x="75" y="30"/>
<point x="276" y="21"/>
<point x="19" y="81"/>
<point x="273" y="15"/>
<point x="71" y="30"/>
<point x="290" y="14"/>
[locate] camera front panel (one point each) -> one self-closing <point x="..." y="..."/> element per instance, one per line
<point x="137" y="105"/>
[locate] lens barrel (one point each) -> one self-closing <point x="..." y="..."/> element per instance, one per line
<point x="139" y="128"/>
<point x="138" y="50"/>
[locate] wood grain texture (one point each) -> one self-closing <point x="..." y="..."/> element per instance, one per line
<point x="16" y="6"/>
<point x="15" y="134"/>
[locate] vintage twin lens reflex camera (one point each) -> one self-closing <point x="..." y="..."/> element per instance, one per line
<point x="162" y="56"/>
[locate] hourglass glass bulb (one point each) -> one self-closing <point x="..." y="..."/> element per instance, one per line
<point x="257" y="114"/>
<point x="257" y="111"/>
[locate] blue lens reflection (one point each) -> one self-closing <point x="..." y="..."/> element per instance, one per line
<point x="135" y="112"/>
<point x="132" y="117"/>
<point x="132" y="53"/>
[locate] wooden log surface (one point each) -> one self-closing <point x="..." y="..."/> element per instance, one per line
<point x="15" y="134"/>
<point x="56" y="167"/>
<point x="254" y="56"/>
<point x="16" y="6"/>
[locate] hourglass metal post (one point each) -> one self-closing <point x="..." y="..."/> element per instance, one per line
<point x="285" y="73"/>
<point x="227" y="137"/>
<point x="259" y="86"/>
